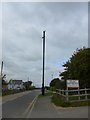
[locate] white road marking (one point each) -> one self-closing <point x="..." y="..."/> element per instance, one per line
<point x="30" y="107"/>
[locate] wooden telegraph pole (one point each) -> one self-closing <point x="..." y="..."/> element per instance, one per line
<point x="43" y="90"/>
<point x="2" y="75"/>
<point x="2" y="69"/>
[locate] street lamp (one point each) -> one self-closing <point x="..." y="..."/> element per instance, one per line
<point x="43" y="90"/>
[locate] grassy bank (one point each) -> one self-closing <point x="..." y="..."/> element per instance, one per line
<point x="60" y="101"/>
<point x="47" y="93"/>
<point x="8" y="92"/>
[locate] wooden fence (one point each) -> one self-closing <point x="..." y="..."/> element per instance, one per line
<point x="75" y="95"/>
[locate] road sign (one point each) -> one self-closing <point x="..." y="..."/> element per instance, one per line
<point x="73" y="83"/>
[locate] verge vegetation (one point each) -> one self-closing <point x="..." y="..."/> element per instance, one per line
<point x="60" y="101"/>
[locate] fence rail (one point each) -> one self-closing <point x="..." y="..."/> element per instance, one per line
<point x="75" y="95"/>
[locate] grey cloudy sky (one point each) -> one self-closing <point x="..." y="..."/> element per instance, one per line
<point x="66" y="26"/>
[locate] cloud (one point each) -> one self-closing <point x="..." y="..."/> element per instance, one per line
<point x="66" y="26"/>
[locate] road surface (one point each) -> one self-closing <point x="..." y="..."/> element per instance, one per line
<point x="19" y="107"/>
<point x="44" y="108"/>
<point x="26" y="105"/>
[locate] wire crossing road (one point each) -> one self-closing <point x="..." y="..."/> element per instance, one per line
<point x="19" y="107"/>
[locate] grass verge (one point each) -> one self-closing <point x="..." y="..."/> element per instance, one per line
<point x="47" y="93"/>
<point x="8" y="92"/>
<point x="60" y="101"/>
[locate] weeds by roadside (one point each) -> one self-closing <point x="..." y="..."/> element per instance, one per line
<point x="47" y="93"/>
<point x="59" y="101"/>
<point x="8" y="92"/>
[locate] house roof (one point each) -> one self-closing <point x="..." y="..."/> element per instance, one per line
<point x="15" y="82"/>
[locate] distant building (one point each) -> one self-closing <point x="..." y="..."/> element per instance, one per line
<point x="15" y="84"/>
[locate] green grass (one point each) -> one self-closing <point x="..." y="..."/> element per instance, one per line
<point x="47" y="93"/>
<point x="60" y="101"/>
<point x="8" y="92"/>
<point x="77" y="97"/>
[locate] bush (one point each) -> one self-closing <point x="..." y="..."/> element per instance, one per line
<point x="52" y="88"/>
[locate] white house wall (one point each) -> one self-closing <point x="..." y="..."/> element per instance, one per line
<point x="12" y="86"/>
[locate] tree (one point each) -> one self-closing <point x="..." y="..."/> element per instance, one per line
<point x="56" y="83"/>
<point x="28" y="85"/>
<point x="4" y="82"/>
<point x="78" y="67"/>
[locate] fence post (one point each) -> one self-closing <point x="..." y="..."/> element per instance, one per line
<point x="67" y="94"/>
<point x="57" y="91"/>
<point x="62" y="92"/>
<point x="85" y="93"/>
<point x="78" y="93"/>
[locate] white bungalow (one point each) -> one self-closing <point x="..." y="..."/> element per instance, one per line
<point x="15" y="84"/>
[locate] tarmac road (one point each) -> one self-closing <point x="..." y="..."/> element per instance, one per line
<point x="28" y="106"/>
<point x="43" y="108"/>
<point x="19" y="107"/>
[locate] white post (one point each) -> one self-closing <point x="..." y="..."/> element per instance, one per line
<point x="62" y="92"/>
<point x="85" y="93"/>
<point x="78" y="93"/>
<point x="67" y="94"/>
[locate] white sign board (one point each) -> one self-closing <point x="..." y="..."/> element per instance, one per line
<point x="72" y="83"/>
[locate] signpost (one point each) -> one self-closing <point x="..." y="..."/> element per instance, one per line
<point x="72" y="84"/>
